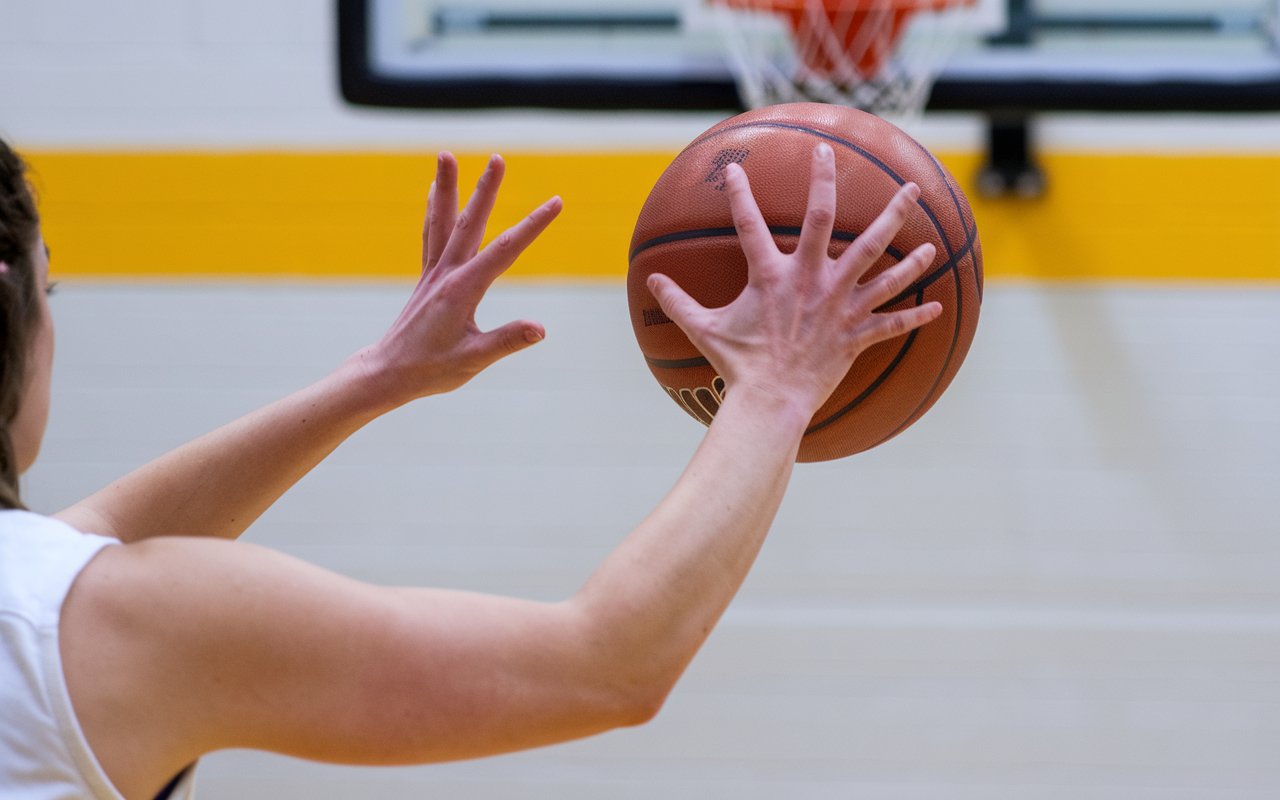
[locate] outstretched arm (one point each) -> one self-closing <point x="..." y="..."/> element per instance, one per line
<point x="782" y="346"/>
<point x="220" y="483"/>
<point x="249" y="648"/>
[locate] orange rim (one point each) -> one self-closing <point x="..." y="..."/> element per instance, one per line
<point x="834" y="6"/>
<point x="814" y="23"/>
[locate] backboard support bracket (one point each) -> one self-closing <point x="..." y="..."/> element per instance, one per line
<point x="1010" y="167"/>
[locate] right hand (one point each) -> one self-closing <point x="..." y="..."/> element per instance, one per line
<point x="803" y="318"/>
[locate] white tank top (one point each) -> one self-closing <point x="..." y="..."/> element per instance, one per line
<point x="43" y="752"/>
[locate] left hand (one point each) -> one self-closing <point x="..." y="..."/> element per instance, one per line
<point x="435" y="346"/>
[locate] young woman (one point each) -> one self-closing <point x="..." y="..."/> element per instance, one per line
<point x="137" y="635"/>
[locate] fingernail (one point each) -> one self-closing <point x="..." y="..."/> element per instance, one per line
<point x="825" y="151"/>
<point x="532" y="336"/>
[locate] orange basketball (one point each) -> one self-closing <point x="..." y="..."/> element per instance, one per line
<point x="686" y="232"/>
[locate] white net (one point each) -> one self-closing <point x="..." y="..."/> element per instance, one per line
<point x="876" y="55"/>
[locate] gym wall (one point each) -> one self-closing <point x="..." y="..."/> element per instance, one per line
<point x="1060" y="583"/>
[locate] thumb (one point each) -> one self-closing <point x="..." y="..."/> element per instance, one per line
<point x="674" y="301"/>
<point x="510" y="338"/>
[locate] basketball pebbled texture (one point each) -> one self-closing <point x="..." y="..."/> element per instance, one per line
<point x="685" y="231"/>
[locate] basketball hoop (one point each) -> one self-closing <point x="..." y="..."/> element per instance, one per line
<point x="877" y="55"/>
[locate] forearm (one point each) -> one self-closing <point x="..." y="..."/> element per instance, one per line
<point x="657" y="597"/>
<point x="540" y="673"/>
<point x="219" y="484"/>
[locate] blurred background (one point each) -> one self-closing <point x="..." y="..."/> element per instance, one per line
<point x="1061" y="583"/>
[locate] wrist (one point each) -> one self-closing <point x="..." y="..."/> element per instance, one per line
<point x="779" y="411"/>
<point x="367" y="380"/>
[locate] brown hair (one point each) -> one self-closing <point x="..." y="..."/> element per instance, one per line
<point x="19" y="231"/>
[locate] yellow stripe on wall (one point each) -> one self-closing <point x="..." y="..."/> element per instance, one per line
<point x="358" y="215"/>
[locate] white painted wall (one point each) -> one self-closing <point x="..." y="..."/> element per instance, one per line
<point x="86" y="74"/>
<point x="237" y="74"/>
<point x="1062" y="583"/>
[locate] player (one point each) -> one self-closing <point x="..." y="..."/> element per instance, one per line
<point x="136" y="634"/>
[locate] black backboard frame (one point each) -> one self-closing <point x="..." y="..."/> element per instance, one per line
<point x="999" y="83"/>
<point x="964" y="87"/>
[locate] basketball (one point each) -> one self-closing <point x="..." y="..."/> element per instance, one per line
<point x="685" y="231"/>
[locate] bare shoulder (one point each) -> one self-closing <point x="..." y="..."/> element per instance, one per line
<point x="175" y="647"/>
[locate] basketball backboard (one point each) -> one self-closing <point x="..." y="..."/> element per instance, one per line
<point x="670" y="54"/>
<point x="658" y="54"/>
<point x="1011" y="59"/>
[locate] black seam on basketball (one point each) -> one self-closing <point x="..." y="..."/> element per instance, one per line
<point x="930" y="396"/>
<point x="917" y="289"/>
<point x="885" y="168"/>
<point x="970" y="235"/>
<point x="677" y="363"/>
<point x="880" y="379"/>
<point x="681" y="236"/>
<point x="724" y="232"/>
<point x="931" y="278"/>
<point x="953" y="259"/>
<point x="923" y="282"/>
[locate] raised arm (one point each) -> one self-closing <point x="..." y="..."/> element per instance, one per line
<point x="220" y="483"/>
<point x="177" y="647"/>
<point x="782" y="347"/>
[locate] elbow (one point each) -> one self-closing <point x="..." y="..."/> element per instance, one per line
<point x="605" y="700"/>
<point x="631" y="679"/>
<point x="643" y="702"/>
